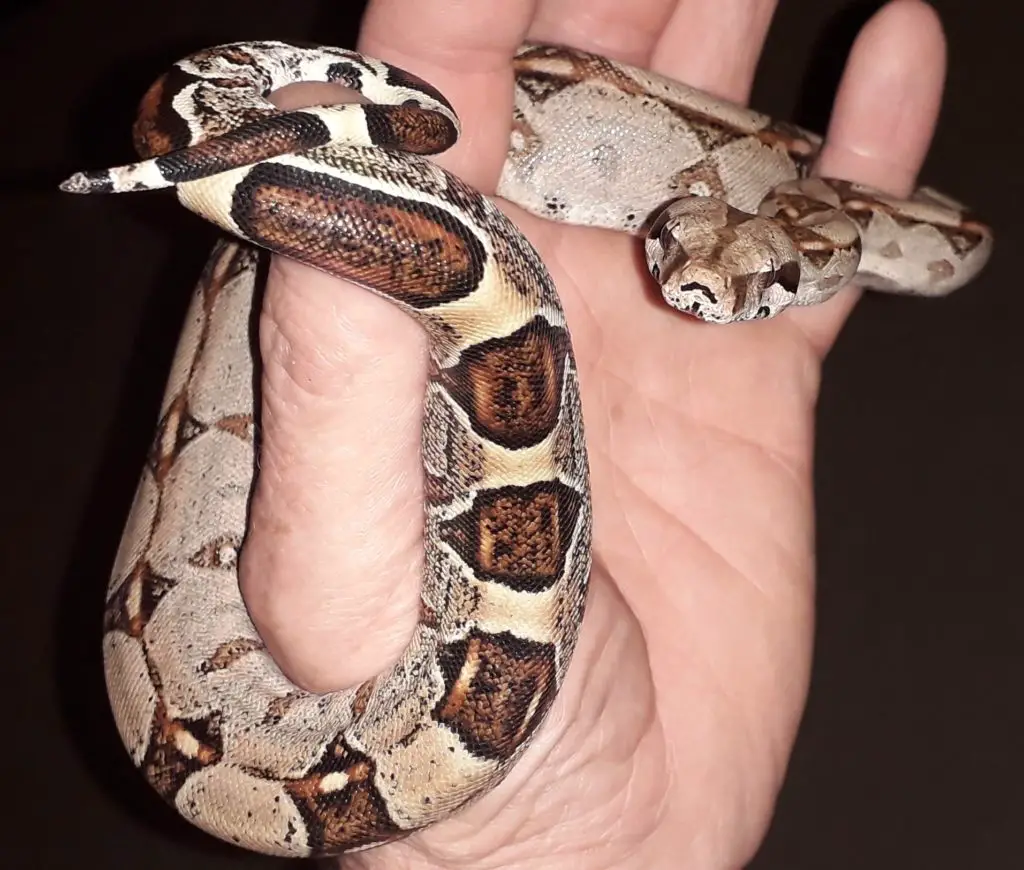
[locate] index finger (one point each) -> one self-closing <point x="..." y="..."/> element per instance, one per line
<point x="463" y="48"/>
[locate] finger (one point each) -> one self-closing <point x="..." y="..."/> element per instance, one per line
<point x="625" y="31"/>
<point x="463" y="48"/>
<point x="889" y="99"/>
<point x="331" y="566"/>
<point x="715" y="45"/>
<point x="882" y="123"/>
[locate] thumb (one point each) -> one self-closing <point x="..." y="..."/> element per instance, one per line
<point x="331" y="567"/>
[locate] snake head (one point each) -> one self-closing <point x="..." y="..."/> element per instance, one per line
<point x="720" y="264"/>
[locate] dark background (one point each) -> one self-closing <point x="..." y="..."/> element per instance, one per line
<point x="910" y="752"/>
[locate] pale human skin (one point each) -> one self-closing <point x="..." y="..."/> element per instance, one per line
<point x="670" y="739"/>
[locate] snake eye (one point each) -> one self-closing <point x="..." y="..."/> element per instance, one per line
<point x="788" y="277"/>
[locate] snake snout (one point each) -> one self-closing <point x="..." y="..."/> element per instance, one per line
<point x="702" y="291"/>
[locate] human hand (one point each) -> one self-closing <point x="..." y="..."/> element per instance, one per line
<point x="670" y="738"/>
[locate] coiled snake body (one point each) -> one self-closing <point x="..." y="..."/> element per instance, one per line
<point x="202" y="708"/>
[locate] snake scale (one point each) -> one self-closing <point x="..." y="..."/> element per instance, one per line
<point x="734" y="228"/>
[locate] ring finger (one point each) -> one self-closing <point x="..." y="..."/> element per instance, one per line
<point x="714" y="45"/>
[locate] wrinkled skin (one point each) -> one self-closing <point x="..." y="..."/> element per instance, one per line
<point x="670" y="739"/>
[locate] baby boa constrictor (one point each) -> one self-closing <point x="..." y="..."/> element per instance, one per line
<point x="202" y="708"/>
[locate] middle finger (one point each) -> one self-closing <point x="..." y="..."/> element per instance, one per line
<point x="624" y="31"/>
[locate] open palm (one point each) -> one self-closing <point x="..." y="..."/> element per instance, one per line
<point x="669" y="741"/>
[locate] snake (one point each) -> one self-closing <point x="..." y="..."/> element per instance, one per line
<point x="735" y="228"/>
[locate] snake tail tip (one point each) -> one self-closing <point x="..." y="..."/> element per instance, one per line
<point x="84" y="182"/>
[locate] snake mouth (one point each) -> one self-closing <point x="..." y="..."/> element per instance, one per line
<point x="698" y="300"/>
<point x="704" y="313"/>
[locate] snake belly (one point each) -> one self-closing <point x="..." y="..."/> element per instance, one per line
<point x="202" y="708"/>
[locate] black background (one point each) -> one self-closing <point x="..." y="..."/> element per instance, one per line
<point x="910" y="752"/>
